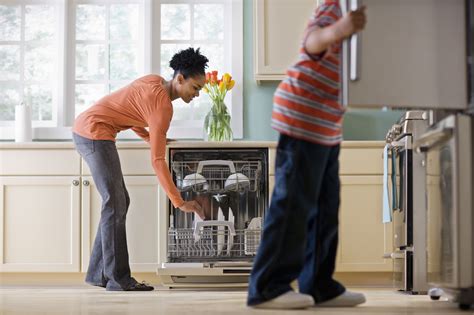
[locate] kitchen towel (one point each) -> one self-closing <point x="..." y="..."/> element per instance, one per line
<point x="386" y="213"/>
<point x="23" y="132"/>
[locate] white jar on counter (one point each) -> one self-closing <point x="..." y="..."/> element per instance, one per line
<point x="23" y="130"/>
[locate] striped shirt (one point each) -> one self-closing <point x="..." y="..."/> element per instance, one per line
<point x="306" y="104"/>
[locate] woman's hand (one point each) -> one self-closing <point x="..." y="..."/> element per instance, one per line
<point x="192" y="206"/>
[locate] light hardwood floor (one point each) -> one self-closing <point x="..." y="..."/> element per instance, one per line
<point x="85" y="300"/>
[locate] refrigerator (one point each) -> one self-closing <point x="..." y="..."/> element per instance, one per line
<point x="418" y="54"/>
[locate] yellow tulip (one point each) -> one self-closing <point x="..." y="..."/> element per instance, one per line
<point x="231" y="85"/>
<point x="222" y="86"/>
<point x="226" y="78"/>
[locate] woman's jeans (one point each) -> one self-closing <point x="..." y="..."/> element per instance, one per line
<point x="300" y="231"/>
<point x="108" y="265"/>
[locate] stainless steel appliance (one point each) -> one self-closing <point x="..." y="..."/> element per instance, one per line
<point x="218" y="250"/>
<point x="408" y="203"/>
<point x="449" y="176"/>
<point x="411" y="54"/>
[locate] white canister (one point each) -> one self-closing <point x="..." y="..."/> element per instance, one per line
<point x="23" y="131"/>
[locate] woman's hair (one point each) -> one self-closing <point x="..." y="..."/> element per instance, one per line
<point x="189" y="63"/>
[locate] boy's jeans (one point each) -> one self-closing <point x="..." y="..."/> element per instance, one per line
<point x="300" y="231"/>
<point x="108" y="265"/>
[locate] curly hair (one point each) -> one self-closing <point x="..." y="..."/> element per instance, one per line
<point x="189" y="63"/>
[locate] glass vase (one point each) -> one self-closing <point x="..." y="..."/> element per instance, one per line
<point x="217" y="123"/>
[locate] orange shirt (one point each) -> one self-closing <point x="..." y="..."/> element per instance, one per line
<point x="142" y="103"/>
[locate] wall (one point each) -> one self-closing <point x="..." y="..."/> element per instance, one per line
<point x="358" y="124"/>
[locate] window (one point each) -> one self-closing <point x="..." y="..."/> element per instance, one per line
<point x="60" y="56"/>
<point x="28" y="54"/>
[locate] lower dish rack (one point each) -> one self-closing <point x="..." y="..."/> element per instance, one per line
<point x="212" y="241"/>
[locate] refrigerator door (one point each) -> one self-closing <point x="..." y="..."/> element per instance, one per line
<point x="412" y="54"/>
<point x="448" y="147"/>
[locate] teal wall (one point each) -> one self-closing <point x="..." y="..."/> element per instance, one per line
<point x="358" y="124"/>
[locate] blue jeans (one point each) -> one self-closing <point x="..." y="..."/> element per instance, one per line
<point x="300" y="231"/>
<point x="108" y="265"/>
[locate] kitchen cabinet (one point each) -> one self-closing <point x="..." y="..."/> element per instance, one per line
<point x="363" y="238"/>
<point x="278" y="31"/>
<point x="143" y="224"/>
<point x="49" y="212"/>
<point x="39" y="210"/>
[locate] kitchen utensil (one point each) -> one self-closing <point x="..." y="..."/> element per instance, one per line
<point x="220" y="232"/>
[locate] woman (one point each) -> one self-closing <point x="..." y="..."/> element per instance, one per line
<point x="145" y="102"/>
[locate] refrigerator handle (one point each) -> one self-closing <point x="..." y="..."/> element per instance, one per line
<point x="354" y="48"/>
<point x="432" y="139"/>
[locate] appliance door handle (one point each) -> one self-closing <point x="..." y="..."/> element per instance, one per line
<point x="354" y="48"/>
<point x="432" y="139"/>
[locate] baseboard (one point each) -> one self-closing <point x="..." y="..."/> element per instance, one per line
<point x="352" y="279"/>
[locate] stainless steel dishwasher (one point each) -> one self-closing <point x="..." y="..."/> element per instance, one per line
<point x="232" y="187"/>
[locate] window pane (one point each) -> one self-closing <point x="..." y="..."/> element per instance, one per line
<point x="215" y="54"/>
<point x="40" y="22"/>
<point x="201" y="104"/>
<point x="90" y="22"/>
<point x="10" y="62"/>
<point x="90" y="62"/>
<point x="39" y="97"/>
<point x="10" y="21"/>
<point x="39" y="62"/>
<point x="9" y="97"/>
<point x="87" y="95"/>
<point x="124" y="21"/>
<point x="175" y="21"/>
<point x="209" y="21"/>
<point x="167" y="52"/>
<point x="123" y="61"/>
<point x="181" y="110"/>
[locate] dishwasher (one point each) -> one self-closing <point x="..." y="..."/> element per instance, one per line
<point x="231" y="185"/>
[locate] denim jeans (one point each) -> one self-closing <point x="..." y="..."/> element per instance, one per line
<point x="300" y="231"/>
<point x="108" y="265"/>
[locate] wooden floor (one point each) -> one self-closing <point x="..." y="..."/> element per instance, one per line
<point x="86" y="300"/>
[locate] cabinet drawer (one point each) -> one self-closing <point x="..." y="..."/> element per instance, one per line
<point x="39" y="162"/>
<point x="133" y="162"/>
<point x="361" y="161"/>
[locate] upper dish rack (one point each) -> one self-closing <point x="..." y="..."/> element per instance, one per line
<point x="217" y="176"/>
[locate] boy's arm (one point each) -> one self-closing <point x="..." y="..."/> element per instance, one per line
<point x="319" y="39"/>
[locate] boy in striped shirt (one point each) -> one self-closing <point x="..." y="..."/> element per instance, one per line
<point x="301" y="226"/>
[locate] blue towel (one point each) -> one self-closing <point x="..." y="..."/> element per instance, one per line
<point x="386" y="213"/>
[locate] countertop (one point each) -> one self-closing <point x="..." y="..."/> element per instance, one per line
<point x="175" y="144"/>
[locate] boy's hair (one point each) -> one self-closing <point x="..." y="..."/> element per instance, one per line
<point x="189" y="63"/>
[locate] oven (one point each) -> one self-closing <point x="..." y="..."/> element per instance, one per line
<point x="408" y="203"/>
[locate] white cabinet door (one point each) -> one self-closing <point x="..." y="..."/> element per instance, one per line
<point x="411" y="54"/>
<point x="39" y="227"/>
<point x="144" y="219"/>
<point x="363" y="238"/>
<point x="278" y="31"/>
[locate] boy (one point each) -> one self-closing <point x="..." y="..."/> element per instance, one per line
<point x="305" y="201"/>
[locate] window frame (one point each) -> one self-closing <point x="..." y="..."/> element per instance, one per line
<point x="150" y="51"/>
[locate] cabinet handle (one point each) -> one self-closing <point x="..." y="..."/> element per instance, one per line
<point x="75" y="182"/>
<point x="85" y="183"/>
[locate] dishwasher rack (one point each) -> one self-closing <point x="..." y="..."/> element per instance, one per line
<point x="217" y="176"/>
<point x="211" y="243"/>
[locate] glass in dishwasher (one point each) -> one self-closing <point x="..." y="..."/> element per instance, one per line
<point x="231" y="186"/>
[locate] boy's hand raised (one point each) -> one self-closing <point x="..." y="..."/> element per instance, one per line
<point x="352" y="22"/>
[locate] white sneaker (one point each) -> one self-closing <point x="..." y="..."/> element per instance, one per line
<point x="346" y="299"/>
<point x="288" y="300"/>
